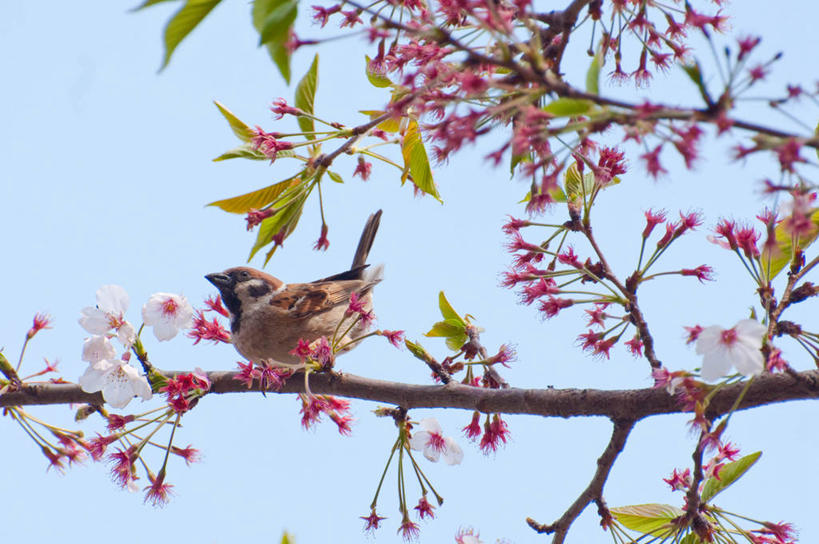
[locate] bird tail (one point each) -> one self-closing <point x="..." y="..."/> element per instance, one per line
<point x="366" y="241"/>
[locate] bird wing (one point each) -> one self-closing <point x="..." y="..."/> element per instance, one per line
<point x="306" y="299"/>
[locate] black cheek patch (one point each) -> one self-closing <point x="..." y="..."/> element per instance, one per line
<point x="258" y="290"/>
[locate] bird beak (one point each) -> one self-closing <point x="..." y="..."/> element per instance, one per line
<point x="220" y="280"/>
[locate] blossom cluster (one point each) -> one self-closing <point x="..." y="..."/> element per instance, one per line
<point x="556" y="279"/>
<point x="114" y="376"/>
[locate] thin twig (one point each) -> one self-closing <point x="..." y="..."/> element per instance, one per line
<point x="594" y="491"/>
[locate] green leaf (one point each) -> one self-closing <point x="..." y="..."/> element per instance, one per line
<point x="149" y="3"/>
<point x="454" y="330"/>
<point x="568" y="107"/>
<point x="816" y="133"/>
<point x="691" y="538"/>
<point x="255" y="199"/>
<point x="729" y="474"/>
<point x="557" y="194"/>
<point x="287" y="539"/>
<point x="653" y="519"/>
<point x="242" y="130"/>
<point x="416" y="161"/>
<point x="306" y="96"/>
<point x="335" y="177"/>
<point x="417" y="351"/>
<point x="447" y="328"/>
<point x="244" y="151"/>
<point x="376" y="79"/>
<point x="783" y="255"/>
<point x="278" y="21"/>
<point x="392" y="124"/>
<point x="285" y="219"/>
<point x="281" y="57"/>
<point x="288" y="230"/>
<point x="447" y="311"/>
<point x="574" y="183"/>
<point x="516" y="160"/>
<point x="593" y="75"/>
<point x="183" y="22"/>
<point x="276" y="49"/>
<point x="694" y="73"/>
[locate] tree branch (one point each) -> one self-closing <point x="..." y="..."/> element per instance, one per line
<point x="594" y="491"/>
<point x="629" y="404"/>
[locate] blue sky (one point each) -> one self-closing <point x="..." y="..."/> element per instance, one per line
<point x="106" y="170"/>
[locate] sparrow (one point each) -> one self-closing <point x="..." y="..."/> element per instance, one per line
<point x="268" y="317"/>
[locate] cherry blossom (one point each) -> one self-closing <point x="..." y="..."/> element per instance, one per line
<point x="167" y="313"/>
<point x="97" y="348"/>
<point x="118" y="381"/>
<point x="109" y="315"/>
<point x="431" y="441"/>
<point x="738" y="347"/>
<point x="467" y="536"/>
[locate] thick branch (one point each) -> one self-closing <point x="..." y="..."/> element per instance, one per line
<point x="633" y="404"/>
<point x="594" y="491"/>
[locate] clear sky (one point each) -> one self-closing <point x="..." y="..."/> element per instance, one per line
<point x="105" y="170"/>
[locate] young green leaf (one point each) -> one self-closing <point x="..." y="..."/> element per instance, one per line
<point x="574" y="183"/>
<point x="593" y="74"/>
<point x="729" y="474"/>
<point x="284" y="220"/>
<point x="417" y="351"/>
<point x="390" y="125"/>
<point x="335" y="177"/>
<point x="694" y="73"/>
<point x="244" y="151"/>
<point x="376" y="79"/>
<point x="557" y="194"/>
<point x="183" y="22"/>
<point x="276" y="49"/>
<point x="816" y="133"/>
<point x="278" y="22"/>
<point x="242" y="130"/>
<point x="648" y="519"/>
<point x="416" y="161"/>
<point x="255" y="199"/>
<point x="454" y="330"/>
<point x="149" y="3"/>
<point x="783" y="254"/>
<point x="447" y="311"/>
<point x="306" y="96"/>
<point x="447" y="328"/>
<point x="568" y="107"/>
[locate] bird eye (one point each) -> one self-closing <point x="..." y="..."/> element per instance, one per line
<point x="244" y="275"/>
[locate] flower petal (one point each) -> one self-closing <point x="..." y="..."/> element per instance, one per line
<point x="453" y="454"/>
<point x="432" y="453"/>
<point x="94" y="377"/>
<point x="715" y="365"/>
<point x="94" y="320"/>
<point x="709" y="339"/>
<point x="419" y="440"/>
<point x="126" y="335"/>
<point x="431" y="425"/>
<point x="97" y="348"/>
<point x="112" y="299"/>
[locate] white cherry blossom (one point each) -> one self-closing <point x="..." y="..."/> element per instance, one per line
<point x="118" y="381"/>
<point x="736" y="347"/>
<point x="97" y="348"/>
<point x="431" y="441"/>
<point x="109" y="315"/>
<point x="167" y="313"/>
